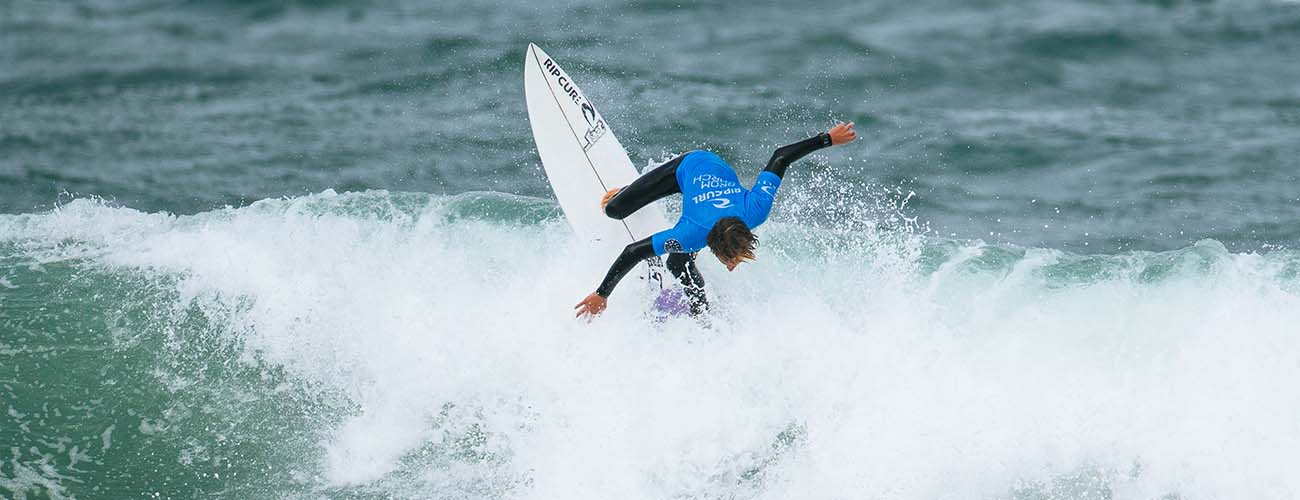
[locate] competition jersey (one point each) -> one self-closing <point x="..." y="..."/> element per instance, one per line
<point x="711" y="191"/>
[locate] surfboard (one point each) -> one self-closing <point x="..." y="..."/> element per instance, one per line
<point x="582" y="158"/>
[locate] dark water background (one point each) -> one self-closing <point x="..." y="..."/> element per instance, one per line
<point x="1091" y="126"/>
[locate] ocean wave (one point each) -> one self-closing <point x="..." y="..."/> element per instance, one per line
<point x="409" y="345"/>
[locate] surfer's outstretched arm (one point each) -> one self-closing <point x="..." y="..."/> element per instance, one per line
<point x="653" y="185"/>
<point x="632" y="254"/>
<point x="682" y="265"/>
<point x="785" y="155"/>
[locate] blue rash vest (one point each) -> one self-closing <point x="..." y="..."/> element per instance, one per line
<point x="711" y="191"/>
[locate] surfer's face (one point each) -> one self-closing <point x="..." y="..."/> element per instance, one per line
<point x="731" y="264"/>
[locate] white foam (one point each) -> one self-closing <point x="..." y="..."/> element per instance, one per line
<point x="968" y="382"/>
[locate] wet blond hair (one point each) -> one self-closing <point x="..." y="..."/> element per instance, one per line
<point x="731" y="240"/>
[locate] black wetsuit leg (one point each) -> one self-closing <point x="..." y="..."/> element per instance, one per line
<point x="683" y="267"/>
<point x="655" y="184"/>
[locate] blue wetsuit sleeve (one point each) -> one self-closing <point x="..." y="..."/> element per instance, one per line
<point x="758" y="204"/>
<point x="632" y="254"/>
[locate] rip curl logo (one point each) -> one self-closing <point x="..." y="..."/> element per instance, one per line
<point x="673" y="246"/>
<point x="596" y="127"/>
<point x="767" y="188"/>
<point x="710" y="195"/>
<point x="721" y="202"/>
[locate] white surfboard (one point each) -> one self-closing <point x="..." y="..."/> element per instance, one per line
<point x="581" y="156"/>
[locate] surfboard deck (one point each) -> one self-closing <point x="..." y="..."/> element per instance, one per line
<point x="583" y="159"/>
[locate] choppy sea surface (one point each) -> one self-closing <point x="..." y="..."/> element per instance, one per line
<point x="272" y="249"/>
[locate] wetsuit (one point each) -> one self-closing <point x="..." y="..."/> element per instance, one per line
<point x="710" y="191"/>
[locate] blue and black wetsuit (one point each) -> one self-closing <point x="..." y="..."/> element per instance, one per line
<point x="710" y="191"/>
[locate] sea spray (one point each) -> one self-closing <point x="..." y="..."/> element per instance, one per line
<point x="401" y="345"/>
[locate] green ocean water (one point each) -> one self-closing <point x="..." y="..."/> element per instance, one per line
<point x="259" y="249"/>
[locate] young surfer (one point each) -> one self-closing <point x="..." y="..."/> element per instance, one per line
<point x="716" y="212"/>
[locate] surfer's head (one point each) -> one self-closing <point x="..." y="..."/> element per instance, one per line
<point x="732" y="242"/>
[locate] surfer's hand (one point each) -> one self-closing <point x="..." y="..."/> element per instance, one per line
<point x="608" y="196"/>
<point x="591" y="306"/>
<point x="842" y="133"/>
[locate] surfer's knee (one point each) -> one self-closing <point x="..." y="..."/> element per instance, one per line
<point x="682" y="265"/>
<point x="676" y="262"/>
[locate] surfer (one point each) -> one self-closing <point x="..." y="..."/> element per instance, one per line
<point x="716" y="212"/>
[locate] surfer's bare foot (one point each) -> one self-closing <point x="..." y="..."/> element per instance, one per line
<point x="608" y="196"/>
<point x="842" y="133"/>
